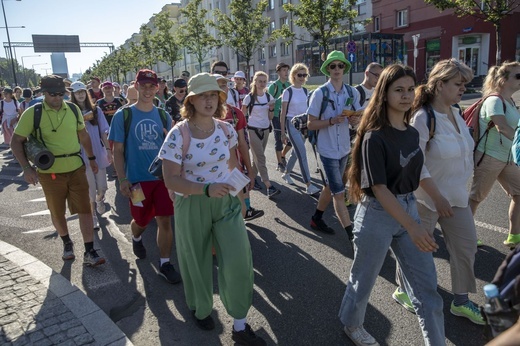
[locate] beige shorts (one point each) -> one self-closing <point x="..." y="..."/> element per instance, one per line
<point x="491" y="170"/>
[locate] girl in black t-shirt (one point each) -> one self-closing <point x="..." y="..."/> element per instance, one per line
<point x="385" y="170"/>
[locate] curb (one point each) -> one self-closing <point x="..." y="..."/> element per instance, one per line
<point x="96" y="322"/>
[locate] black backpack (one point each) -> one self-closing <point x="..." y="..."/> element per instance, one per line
<point x="252" y="102"/>
<point x="362" y="94"/>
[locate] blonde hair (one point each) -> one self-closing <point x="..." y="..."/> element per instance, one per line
<point x="294" y="71"/>
<point x="253" y="88"/>
<point x="497" y="76"/>
<point x="443" y="71"/>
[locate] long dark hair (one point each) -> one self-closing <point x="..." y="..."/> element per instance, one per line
<point x="88" y="106"/>
<point x="375" y="117"/>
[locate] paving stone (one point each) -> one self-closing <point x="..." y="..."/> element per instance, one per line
<point x="67" y="343"/>
<point x="13" y="330"/>
<point x="8" y="319"/>
<point x="51" y="330"/>
<point x="21" y="341"/>
<point x="58" y="338"/>
<point x="36" y="336"/>
<point x="51" y="321"/>
<point x="7" y="283"/>
<point x="83" y="339"/>
<point x="66" y="316"/>
<point x="18" y="273"/>
<point x="70" y="324"/>
<point x="75" y="331"/>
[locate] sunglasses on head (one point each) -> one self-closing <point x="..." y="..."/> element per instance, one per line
<point x="56" y="94"/>
<point x="223" y="73"/>
<point x="333" y="66"/>
<point x="302" y="75"/>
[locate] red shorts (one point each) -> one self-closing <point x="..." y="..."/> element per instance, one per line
<point x="157" y="202"/>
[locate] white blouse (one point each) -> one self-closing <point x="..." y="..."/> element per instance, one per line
<point x="448" y="159"/>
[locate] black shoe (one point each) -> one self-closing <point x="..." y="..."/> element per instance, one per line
<point x="257" y="186"/>
<point x="272" y="191"/>
<point x="169" y="274"/>
<point x="253" y="213"/>
<point x="247" y="337"/>
<point x="206" y="323"/>
<point x="320" y="225"/>
<point x="92" y="258"/>
<point x="280" y="167"/>
<point x="139" y="249"/>
<point x="68" y="251"/>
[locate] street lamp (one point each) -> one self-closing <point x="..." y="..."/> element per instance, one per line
<point x="23" y="67"/>
<point x="9" y="42"/>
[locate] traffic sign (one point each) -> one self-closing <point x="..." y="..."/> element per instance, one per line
<point x="351" y="57"/>
<point x="351" y="47"/>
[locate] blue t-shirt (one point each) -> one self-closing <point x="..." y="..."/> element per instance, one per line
<point x="145" y="138"/>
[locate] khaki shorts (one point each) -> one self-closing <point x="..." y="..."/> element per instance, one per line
<point x="491" y="170"/>
<point x="71" y="187"/>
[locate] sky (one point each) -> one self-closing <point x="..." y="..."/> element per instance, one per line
<point x="110" y="21"/>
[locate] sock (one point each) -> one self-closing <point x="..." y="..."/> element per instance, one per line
<point x="136" y="239"/>
<point x="164" y="260"/>
<point x="460" y="299"/>
<point x="318" y="214"/>
<point x="66" y="239"/>
<point x="239" y="325"/>
<point x="247" y="201"/>
<point x="89" y="246"/>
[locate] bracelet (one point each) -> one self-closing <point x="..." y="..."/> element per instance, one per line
<point x="206" y="190"/>
<point x="25" y="167"/>
<point x="122" y="179"/>
<point x="92" y="158"/>
<point x="330" y="121"/>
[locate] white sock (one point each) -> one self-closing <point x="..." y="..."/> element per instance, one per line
<point x="239" y="325"/>
<point x="136" y="239"/>
<point x="164" y="260"/>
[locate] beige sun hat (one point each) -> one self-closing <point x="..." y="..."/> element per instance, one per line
<point x="203" y="82"/>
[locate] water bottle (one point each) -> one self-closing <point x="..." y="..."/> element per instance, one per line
<point x="497" y="312"/>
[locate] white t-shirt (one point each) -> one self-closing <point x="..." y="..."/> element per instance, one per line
<point x="207" y="159"/>
<point x="259" y="116"/>
<point x="230" y="99"/>
<point x="10" y="110"/>
<point x="298" y="104"/>
<point x="368" y="95"/>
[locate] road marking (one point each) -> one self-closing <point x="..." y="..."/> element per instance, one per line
<point x="42" y="230"/>
<point x="43" y="212"/>
<point x="491" y="227"/>
<point x="42" y="199"/>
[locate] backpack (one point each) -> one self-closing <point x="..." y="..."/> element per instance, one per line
<point x="515" y="148"/>
<point x="361" y="91"/>
<point x="252" y="102"/>
<point x="127" y="116"/>
<point x="471" y="116"/>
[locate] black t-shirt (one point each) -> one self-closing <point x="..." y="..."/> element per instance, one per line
<point x="393" y="158"/>
<point x="109" y="108"/>
<point x="173" y="107"/>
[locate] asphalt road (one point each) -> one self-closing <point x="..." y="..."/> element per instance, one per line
<point x="300" y="275"/>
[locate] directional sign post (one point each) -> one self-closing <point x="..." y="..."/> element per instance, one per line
<point x="351" y="57"/>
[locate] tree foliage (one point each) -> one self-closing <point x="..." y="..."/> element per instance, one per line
<point x="167" y="44"/>
<point x="147" y="49"/>
<point x="492" y="11"/>
<point x="194" y="31"/>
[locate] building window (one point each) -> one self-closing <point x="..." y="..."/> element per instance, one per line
<point x="271" y="5"/>
<point x="272" y="51"/>
<point x="377" y="24"/>
<point x="261" y="54"/>
<point x="272" y="26"/>
<point x="283" y="2"/>
<point x="284" y="49"/>
<point x="284" y="21"/>
<point x="402" y="18"/>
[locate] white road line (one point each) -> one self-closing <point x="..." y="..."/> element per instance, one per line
<point x="42" y="212"/>
<point x="42" y="199"/>
<point x="491" y="227"/>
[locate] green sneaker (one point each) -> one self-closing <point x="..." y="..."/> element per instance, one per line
<point x="468" y="310"/>
<point x="403" y="299"/>
<point x="480" y="243"/>
<point x="512" y="240"/>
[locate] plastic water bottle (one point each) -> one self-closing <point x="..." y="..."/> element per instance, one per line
<point x="497" y="312"/>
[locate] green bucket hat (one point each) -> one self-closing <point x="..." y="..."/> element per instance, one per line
<point x="335" y="55"/>
<point x="202" y="82"/>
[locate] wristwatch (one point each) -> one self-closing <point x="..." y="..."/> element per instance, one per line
<point x="91" y="158"/>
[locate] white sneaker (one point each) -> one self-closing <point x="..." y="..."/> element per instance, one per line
<point x="287" y="178"/>
<point x="360" y="336"/>
<point x="312" y="189"/>
<point x="95" y="222"/>
<point x="100" y="206"/>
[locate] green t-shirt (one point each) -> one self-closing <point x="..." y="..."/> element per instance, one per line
<point x="64" y="140"/>
<point x="493" y="105"/>
<point x="276" y="90"/>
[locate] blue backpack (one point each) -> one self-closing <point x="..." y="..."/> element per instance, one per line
<point x="515" y="148"/>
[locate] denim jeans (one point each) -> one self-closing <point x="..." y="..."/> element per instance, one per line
<point x="277" y="129"/>
<point x="374" y="232"/>
<point x="298" y="151"/>
<point x="334" y="170"/>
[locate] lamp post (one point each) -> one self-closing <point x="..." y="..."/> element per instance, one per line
<point x="23" y="67"/>
<point x="43" y="63"/>
<point x="9" y="42"/>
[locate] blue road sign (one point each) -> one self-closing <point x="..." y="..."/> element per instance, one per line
<point x="352" y="57"/>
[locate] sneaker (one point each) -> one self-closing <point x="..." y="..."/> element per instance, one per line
<point x="512" y="240"/>
<point x="100" y="206"/>
<point x="480" y="243"/>
<point x="95" y="222"/>
<point x="169" y="273"/>
<point x="206" y="323"/>
<point x="139" y="249"/>
<point x="247" y="337"/>
<point x="468" y="310"/>
<point x="287" y="178"/>
<point x="312" y="190"/>
<point x="272" y="191"/>
<point x="257" y="186"/>
<point x="320" y="225"/>
<point x="280" y="167"/>
<point x="92" y="258"/>
<point x="402" y="298"/>
<point x="360" y="336"/>
<point x="68" y="251"/>
<point x="253" y="213"/>
<point x="284" y="161"/>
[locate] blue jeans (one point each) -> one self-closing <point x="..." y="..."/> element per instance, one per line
<point x="334" y="170"/>
<point x="298" y="151"/>
<point x="277" y="129"/>
<point x="374" y="232"/>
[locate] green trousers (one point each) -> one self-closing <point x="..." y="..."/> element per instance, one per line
<point x="200" y="223"/>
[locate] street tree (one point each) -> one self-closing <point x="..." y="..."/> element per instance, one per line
<point x="323" y="19"/>
<point x="492" y="11"/>
<point x="168" y="45"/>
<point x="134" y="56"/>
<point x="194" y="32"/>
<point x="244" y="27"/>
<point x="147" y="56"/>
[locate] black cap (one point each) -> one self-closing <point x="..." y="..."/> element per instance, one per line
<point x="281" y="65"/>
<point x="180" y="83"/>
<point x="27" y="93"/>
<point x="53" y="84"/>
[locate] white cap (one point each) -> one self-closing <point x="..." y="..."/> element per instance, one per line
<point x="77" y="86"/>
<point x="240" y="74"/>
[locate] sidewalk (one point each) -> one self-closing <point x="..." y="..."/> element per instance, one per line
<point x="40" y="307"/>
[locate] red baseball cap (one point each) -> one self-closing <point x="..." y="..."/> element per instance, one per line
<point x="146" y="76"/>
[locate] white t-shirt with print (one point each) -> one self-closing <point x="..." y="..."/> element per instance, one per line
<point x="207" y="159"/>
<point x="10" y="110"/>
<point x="259" y="116"/>
<point x="298" y="104"/>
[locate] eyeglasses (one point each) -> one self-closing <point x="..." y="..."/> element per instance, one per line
<point x="375" y="74"/>
<point x="333" y="66"/>
<point x="302" y="75"/>
<point x="223" y="73"/>
<point x="56" y="94"/>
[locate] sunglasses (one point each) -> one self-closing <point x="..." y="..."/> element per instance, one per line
<point x="182" y="91"/>
<point x="301" y="75"/>
<point x="56" y="94"/>
<point x="333" y="66"/>
<point x="223" y="73"/>
<point x="375" y="74"/>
